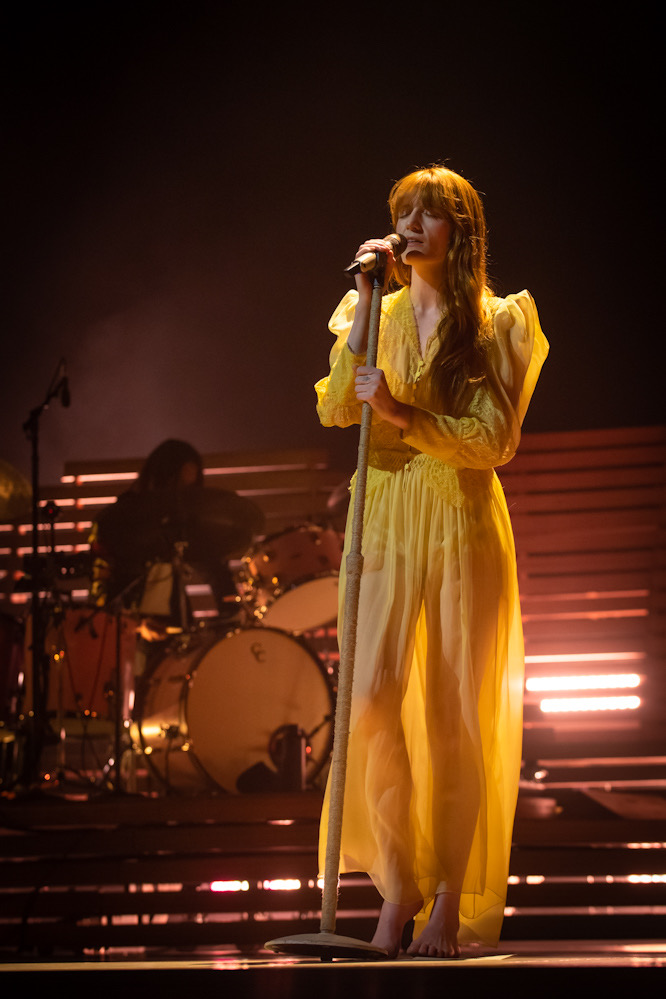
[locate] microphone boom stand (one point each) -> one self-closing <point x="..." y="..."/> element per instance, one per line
<point x="327" y="944"/>
<point x="36" y="730"/>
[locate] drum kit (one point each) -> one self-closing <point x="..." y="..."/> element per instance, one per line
<point x="250" y="708"/>
<point x="235" y="703"/>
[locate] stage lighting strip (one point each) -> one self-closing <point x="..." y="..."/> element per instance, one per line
<point x="606" y="681"/>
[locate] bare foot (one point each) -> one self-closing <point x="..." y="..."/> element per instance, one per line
<point x="440" y="935"/>
<point x="392" y="920"/>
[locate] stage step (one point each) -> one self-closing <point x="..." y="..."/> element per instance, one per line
<point x="122" y="872"/>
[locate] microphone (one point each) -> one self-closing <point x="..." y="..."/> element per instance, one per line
<point x="368" y="261"/>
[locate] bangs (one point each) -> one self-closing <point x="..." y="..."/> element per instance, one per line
<point x="419" y="188"/>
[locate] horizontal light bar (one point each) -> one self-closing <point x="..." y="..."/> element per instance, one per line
<point x="236" y="469"/>
<point x="587" y="657"/>
<point x="98" y="477"/>
<point x="44" y="550"/>
<point x="608" y="681"/>
<point x="95" y="501"/>
<point x="563" y="704"/>
<point x="281" y="884"/>
<point x="230" y="886"/>
<point x="590" y="879"/>
<point x="59" y="526"/>
<point x="588" y="615"/>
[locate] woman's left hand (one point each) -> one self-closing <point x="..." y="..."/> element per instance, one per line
<point x="371" y="387"/>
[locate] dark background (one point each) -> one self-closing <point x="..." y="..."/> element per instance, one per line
<point x="183" y="185"/>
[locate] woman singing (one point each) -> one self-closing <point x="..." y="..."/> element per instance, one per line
<point x="434" y="748"/>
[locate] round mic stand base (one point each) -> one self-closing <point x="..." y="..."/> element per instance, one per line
<point x="326" y="946"/>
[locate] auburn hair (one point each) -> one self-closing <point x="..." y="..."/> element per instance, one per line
<point x="464" y="331"/>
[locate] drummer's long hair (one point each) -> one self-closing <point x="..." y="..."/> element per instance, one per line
<point x="464" y="331"/>
<point x="162" y="467"/>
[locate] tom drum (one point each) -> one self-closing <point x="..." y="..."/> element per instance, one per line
<point x="293" y="578"/>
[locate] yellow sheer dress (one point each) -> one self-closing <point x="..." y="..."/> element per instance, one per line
<point x="436" y="719"/>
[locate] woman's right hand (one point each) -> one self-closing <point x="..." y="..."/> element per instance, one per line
<point x="364" y="279"/>
<point x="358" y="335"/>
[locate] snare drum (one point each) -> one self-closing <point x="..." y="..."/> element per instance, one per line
<point x="209" y="716"/>
<point x="292" y="578"/>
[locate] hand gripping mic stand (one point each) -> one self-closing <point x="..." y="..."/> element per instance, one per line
<point x="327" y="944"/>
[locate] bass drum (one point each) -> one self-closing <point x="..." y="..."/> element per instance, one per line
<point x="211" y="717"/>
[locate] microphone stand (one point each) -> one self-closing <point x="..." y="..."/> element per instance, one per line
<point x="40" y="659"/>
<point x="327" y="944"/>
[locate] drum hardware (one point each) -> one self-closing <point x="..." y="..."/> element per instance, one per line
<point x="288" y="751"/>
<point x="89" y="690"/>
<point x="251" y="711"/>
<point x="288" y="748"/>
<point x="169" y="539"/>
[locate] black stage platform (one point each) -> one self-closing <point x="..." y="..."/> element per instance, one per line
<point x="538" y="968"/>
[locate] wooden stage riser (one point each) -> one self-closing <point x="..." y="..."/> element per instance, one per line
<point x="75" y="876"/>
<point x="248" y="934"/>
<point x="146" y="900"/>
<point x="592" y="862"/>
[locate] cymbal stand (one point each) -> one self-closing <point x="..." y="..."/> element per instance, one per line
<point x="57" y="656"/>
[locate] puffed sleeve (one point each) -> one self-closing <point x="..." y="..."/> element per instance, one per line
<point x="337" y="405"/>
<point x="489" y="432"/>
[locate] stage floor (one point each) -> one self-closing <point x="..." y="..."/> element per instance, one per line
<point x="550" y="967"/>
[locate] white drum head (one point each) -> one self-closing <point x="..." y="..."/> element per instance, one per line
<point x="310" y="605"/>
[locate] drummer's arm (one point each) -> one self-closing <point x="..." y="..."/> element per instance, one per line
<point x="152" y="630"/>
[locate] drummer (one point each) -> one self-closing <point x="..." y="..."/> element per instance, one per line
<point x="166" y="521"/>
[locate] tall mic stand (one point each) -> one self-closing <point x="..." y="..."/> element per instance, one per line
<point x="327" y="944"/>
<point x="40" y="659"/>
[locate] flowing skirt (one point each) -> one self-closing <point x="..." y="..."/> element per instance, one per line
<point x="434" y="747"/>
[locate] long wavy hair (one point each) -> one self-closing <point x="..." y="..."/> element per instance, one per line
<point x="464" y="331"/>
<point x="162" y="467"/>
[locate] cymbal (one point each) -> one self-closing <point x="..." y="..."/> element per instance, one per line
<point x="213" y="523"/>
<point x="15" y="493"/>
